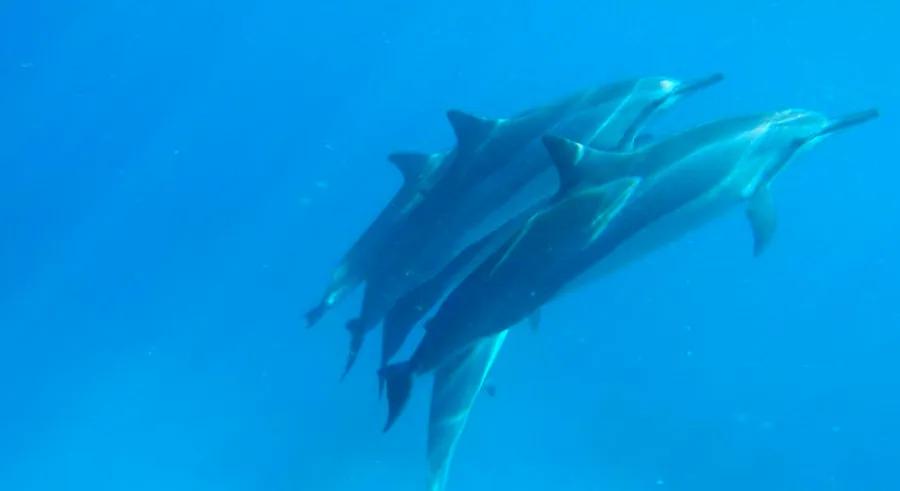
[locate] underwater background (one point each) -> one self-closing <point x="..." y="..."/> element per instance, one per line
<point x="177" y="179"/>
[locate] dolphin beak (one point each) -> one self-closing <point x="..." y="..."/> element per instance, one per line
<point x="850" y="120"/>
<point x="699" y="84"/>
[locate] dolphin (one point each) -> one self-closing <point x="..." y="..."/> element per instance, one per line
<point x="499" y="169"/>
<point x="613" y="207"/>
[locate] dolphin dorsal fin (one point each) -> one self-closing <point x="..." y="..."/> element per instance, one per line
<point x="470" y="130"/>
<point x="576" y="163"/>
<point x="565" y="154"/>
<point x="412" y="165"/>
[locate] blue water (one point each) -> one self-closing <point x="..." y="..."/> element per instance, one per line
<point x="178" y="178"/>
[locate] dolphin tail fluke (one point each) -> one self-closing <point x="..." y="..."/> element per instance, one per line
<point x="398" y="379"/>
<point x="357" y="336"/>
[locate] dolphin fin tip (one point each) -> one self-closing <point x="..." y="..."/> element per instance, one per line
<point x="398" y="380"/>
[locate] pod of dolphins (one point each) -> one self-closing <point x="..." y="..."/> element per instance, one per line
<point x="526" y="208"/>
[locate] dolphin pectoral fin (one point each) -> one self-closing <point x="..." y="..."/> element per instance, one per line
<point x="762" y="217"/>
<point x="470" y="130"/>
<point x="411" y="165"/>
<point x="534" y="320"/>
<point x="398" y="324"/>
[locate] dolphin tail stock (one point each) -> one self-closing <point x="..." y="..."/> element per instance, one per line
<point x="402" y="319"/>
<point x="357" y="336"/>
<point x="398" y="378"/>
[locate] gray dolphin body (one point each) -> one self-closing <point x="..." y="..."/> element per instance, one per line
<point x="498" y="170"/>
<point x="612" y="208"/>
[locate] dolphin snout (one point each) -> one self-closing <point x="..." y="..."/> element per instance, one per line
<point x="699" y="84"/>
<point x="849" y="120"/>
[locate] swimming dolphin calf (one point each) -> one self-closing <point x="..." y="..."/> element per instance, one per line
<point x="612" y="208"/>
<point x="499" y="169"/>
